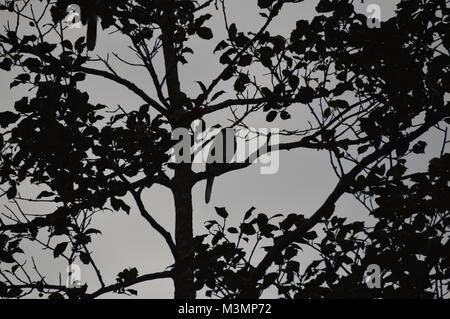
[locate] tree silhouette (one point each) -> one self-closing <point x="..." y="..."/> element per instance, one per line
<point x="372" y="94"/>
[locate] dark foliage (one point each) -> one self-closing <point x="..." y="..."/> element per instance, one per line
<point x="373" y="93"/>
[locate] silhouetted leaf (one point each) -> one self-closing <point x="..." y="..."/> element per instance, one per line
<point x="249" y="213"/>
<point x="7" y="118"/>
<point x="132" y="291"/>
<point x="221" y="211"/>
<point x="55" y="295"/>
<point x="270" y="117"/>
<point x="338" y="104"/>
<point x="85" y="258"/>
<point x="205" y="33"/>
<point x="59" y="249"/>
<point x="45" y="194"/>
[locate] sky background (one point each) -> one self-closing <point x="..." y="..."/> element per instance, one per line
<point x="303" y="181"/>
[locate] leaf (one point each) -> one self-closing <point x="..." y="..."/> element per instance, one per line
<point x="310" y="235"/>
<point x="59" y="249"/>
<point x="249" y="213"/>
<point x="33" y="64"/>
<point x="241" y="82"/>
<point x="14" y="292"/>
<point x="79" y="77"/>
<point x="262" y="220"/>
<point x="222" y="45"/>
<point x="245" y="60"/>
<point x="294" y="81"/>
<point x="85" y="258"/>
<point x="342" y="76"/>
<point x="14" y="84"/>
<point x="271" y="116"/>
<point x="397" y="171"/>
<point x="45" y="47"/>
<point x="216" y="95"/>
<point x="7" y="118"/>
<point x="285" y="115"/>
<point x="14" y="268"/>
<point x="6" y="64"/>
<point x="265" y="3"/>
<point x="22" y="105"/>
<point x="24" y="77"/>
<point x="12" y="192"/>
<point x="79" y="44"/>
<point x="339" y="104"/>
<point x="221" y="211"/>
<point x="233" y="230"/>
<point x="92" y="231"/>
<point x="305" y="95"/>
<point x="67" y="44"/>
<point x="202" y="86"/>
<point x="118" y="204"/>
<point x="128" y="274"/>
<point x="205" y="33"/>
<point x="324" y="6"/>
<point x="45" y="194"/>
<point x="6" y="257"/>
<point x="3" y="240"/>
<point x="419" y="147"/>
<point x="248" y="229"/>
<point x="218" y="236"/>
<point x="265" y="55"/>
<point x="232" y="31"/>
<point x="363" y="148"/>
<point x="132" y="291"/>
<point x="55" y="295"/>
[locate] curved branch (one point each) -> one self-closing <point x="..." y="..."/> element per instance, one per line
<point x="149" y="218"/>
<point x="41" y="221"/>
<point x="327" y="208"/>
<point x="167" y="236"/>
<point x="303" y="143"/>
<point x="54" y="61"/>
<point x="143" y="278"/>
<point x="130" y="85"/>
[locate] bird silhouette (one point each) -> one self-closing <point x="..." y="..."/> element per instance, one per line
<point x="221" y="153"/>
<point x="89" y="9"/>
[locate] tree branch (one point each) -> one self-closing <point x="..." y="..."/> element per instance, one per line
<point x="303" y="143"/>
<point x="130" y="85"/>
<point x="327" y="208"/>
<point x="54" y="61"/>
<point x="167" y="236"/>
<point x="164" y="233"/>
<point x="143" y="278"/>
<point x="271" y="16"/>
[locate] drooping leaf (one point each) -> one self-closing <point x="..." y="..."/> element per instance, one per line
<point x="59" y="249"/>
<point x="221" y="211"/>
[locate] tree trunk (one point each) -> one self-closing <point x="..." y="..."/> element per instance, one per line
<point x="182" y="189"/>
<point x="184" y="264"/>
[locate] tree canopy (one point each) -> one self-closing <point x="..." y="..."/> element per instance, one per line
<point x="371" y="94"/>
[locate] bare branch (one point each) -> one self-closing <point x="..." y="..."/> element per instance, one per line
<point x="327" y="208"/>
<point x="143" y="278"/>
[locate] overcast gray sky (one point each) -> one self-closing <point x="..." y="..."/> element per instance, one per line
<point x="302" y="183"/>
